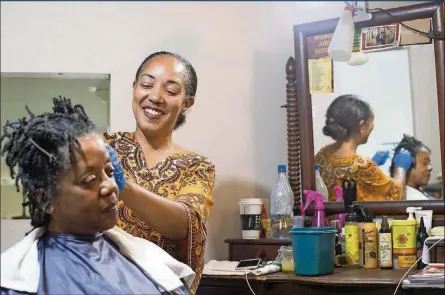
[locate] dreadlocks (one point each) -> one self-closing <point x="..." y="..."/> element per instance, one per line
<point x="410" y="144"/>
<point x="42" y="149"/>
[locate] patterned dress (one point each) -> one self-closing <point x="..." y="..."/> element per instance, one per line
<point x="372" y="183"/>
<point x="187" y="178"/>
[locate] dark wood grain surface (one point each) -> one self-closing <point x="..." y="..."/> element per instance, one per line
<point x="343" y="281"/>
<point x="340" y="277"/>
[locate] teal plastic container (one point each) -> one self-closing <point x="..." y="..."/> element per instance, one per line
<point x="313" y="249"/>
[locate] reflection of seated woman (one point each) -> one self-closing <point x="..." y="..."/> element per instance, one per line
<point x="419" y="173"/>
<point x="349" y="121"/>
<point x="75" y="248"/>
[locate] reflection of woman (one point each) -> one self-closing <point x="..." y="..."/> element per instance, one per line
<point x="419" y="172"/>
<point x="349" y="121"/>
<point x="75" y="247"/>
<point x="169" y="190"/>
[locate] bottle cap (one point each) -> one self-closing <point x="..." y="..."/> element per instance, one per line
<point x="352" y="215"/>
<point x="385" y="224"/>
<point x="369" y="217"/>
<point x="316" y="167"/>
<point x="281" y="168"/>
<point x="422" y="228"/>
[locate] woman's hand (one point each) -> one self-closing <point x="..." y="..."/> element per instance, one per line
<point x="118" y="172"/>
<point x="380" y="157"/>
<point x="403" y="159"/>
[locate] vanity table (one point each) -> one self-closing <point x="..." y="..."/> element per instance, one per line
<point x="343" y="281"/>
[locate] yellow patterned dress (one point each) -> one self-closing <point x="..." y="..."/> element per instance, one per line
<point x="372" y="183"/>
<point x="187" y="178"/>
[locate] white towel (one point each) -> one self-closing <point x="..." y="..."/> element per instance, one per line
<point x="21" y="269"/>
<point x="228" y="268"/>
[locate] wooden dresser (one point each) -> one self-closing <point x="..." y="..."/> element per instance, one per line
<point x="266" y="249"/>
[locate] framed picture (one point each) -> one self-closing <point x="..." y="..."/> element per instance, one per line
<point x="380" y="37"/>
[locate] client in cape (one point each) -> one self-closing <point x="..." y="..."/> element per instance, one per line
<point x="67" y="176"/>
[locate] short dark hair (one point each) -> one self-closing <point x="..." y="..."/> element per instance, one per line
<point x="412" y="145"/>
<point x="190" y="77"/>
<point x="344" y="116"/>
<point x="42" y="149"/>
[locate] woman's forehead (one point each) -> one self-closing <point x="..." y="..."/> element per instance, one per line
<point x="90" y="152"/>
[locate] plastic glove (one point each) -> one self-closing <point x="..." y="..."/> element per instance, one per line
<point x="403" y="159"/>
<point x="380" y="157"/>
<point x="118" y="173"/>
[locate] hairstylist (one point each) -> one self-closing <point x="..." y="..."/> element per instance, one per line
<point x="350" y="121"/>
<point x="166" y="191"/>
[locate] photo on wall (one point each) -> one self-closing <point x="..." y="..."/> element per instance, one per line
<point x="380" y="37"/>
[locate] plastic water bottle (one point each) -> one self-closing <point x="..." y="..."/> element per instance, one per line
<point x="281" y="204"/>
<point x="320" y="186"/>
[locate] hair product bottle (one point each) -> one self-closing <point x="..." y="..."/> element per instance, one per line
<point x="385" y="245"/>
<point x="369" y="241"/>
<point x="421" y="237"/>
<point x="352" y="238"/>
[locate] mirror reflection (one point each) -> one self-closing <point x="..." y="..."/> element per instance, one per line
<point x="380" y="126"/>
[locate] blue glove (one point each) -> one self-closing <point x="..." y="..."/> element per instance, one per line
<point x="403" y="159"/>
<point x="119" y="176"/>
<point x="380" y="157"/>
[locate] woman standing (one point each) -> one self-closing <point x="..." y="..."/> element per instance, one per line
<point x="350" y="121"/>
<point x="166" y="191"/>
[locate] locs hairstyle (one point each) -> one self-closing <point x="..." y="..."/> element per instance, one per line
<point x="412" y="145"/>
<point x="42" y="147"/>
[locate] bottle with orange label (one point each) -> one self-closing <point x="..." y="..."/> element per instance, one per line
<point x="370" y="250"/>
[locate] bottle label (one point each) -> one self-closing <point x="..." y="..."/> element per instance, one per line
<point x="406" y="261"/>
<point x="419" y="249"/>
<point x="370" y="247"/>
<point x="404" y="237"/>
<point x="385" y="245"/>
<point x="352" y="244"/>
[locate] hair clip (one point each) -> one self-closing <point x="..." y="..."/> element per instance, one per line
<point x="51" y="156"/>
<point x="14" y="124"/>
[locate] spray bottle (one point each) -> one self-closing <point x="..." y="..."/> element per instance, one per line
<point x="339" y="198"/>
<point x="319" y="218"/>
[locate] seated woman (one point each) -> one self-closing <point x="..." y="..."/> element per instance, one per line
<point x="350" y="121"/>
<point x="419" y="173"/>
<point x="75" y="248"/>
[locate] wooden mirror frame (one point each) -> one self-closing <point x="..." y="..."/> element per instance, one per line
<point x="299" y="107"/>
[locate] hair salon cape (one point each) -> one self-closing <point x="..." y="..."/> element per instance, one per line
<point x="21" y="268"/>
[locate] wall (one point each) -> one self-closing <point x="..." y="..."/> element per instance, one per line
<point x="36" y="93"/>
<point x="239" y="50"/>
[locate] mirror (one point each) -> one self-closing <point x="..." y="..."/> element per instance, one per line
<point x="35" y="90"/>
<point x="403" y="100"/>
<point x="410" y="91"/>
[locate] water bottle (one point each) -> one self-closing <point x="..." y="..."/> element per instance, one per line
<point x="320" y="186"/>
<point x="281" y="205"/>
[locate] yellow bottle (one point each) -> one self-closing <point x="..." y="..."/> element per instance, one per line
<point x="370" y="249"/>
<point x="352" y="238"/>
